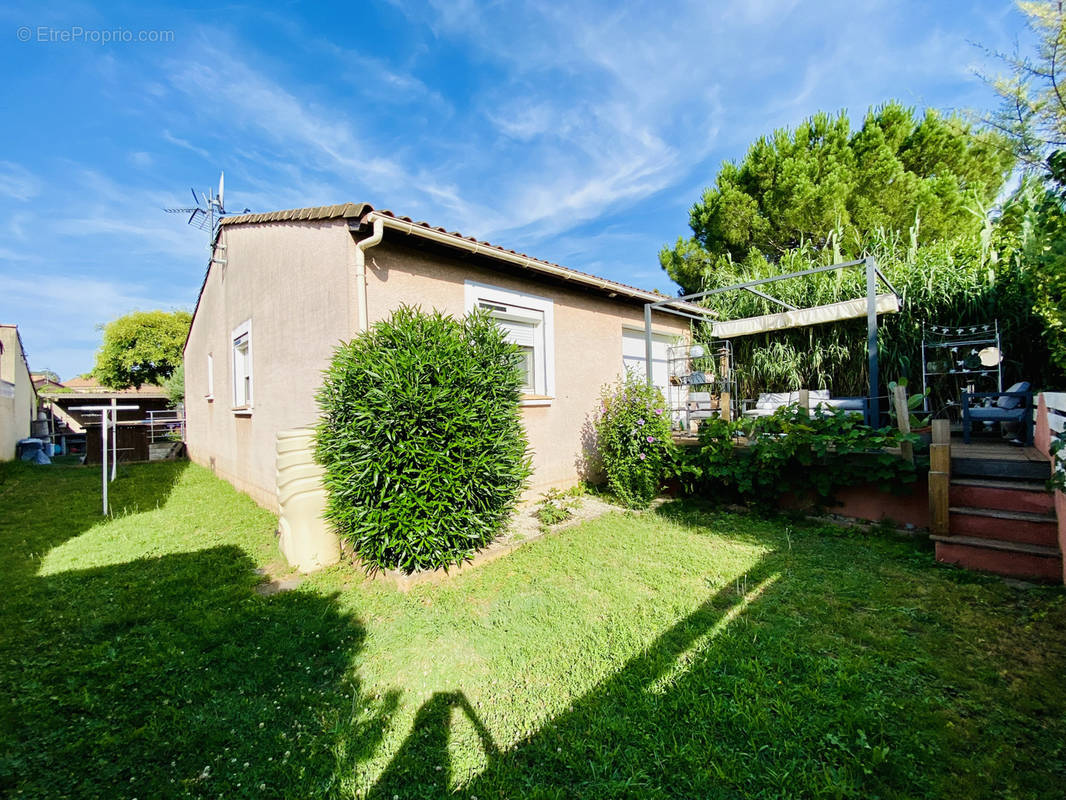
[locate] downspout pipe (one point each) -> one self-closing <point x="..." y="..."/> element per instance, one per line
<point x="360" y="269"/>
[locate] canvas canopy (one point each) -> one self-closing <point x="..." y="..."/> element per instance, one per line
<point x="801" y="317"/>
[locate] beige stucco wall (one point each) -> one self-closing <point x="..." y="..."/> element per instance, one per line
<point x="588" y="342"/>
<point x="295" y="281"/>
<point x="18" y="411"/>
<point x="291" y="281"/>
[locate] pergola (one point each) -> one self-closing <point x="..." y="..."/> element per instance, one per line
<point x="869" y="306"/>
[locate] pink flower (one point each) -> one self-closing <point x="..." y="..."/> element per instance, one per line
<point x="658" y="412"/>
<point x="642" y="456"/>
<point x="651" y="439"/>
<point x="640" y="421"/>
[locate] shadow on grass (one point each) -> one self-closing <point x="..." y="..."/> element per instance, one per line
<point x="810" y="675"/>
<point x="41" y="507"/>
<point x="166" y="676"/>
<point x="636" y="734"/>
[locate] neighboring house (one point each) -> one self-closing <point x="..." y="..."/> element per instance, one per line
<point x="18" y="398"/>
<point x="45" y="383"/>
<point x="285" y="288"/>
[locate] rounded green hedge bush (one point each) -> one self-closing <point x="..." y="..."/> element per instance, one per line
<point x="421" y="439"/>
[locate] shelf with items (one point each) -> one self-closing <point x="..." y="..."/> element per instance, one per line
<point x="701" y="383"/>
<point x="970" y="352"/>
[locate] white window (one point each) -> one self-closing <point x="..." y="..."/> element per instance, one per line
<point x="210" y="377"/>
<point x="242" y="367"/>
<point x="528" y="321"/>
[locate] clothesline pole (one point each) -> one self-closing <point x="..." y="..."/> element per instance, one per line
<point x="105" y="419"/>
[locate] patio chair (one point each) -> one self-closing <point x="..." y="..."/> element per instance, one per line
<point x="1013" y="405"/>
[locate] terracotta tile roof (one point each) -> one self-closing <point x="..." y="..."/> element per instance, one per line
<point x="364" y="212"/>
<point x="345" y="210"/>
<point x="75" y="383"/>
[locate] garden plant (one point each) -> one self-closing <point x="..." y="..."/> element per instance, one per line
<point x="633" y="436"/>
<point x="792" y="451"/>
<point x="421" y="439"/>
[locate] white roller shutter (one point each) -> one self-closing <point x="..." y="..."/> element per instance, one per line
<point x="634" y="356"/>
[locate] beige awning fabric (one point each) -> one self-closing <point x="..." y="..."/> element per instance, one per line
<point x="802" y="317"/>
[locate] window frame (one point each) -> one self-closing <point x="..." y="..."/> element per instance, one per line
<point x="210" y="396"/>
<point x="515" y="303"/>
<point x="242" y="331"/>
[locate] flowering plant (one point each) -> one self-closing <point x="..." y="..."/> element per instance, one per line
<point x="633" y="435"/>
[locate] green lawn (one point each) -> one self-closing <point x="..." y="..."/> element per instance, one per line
<point x="679" y="653"/>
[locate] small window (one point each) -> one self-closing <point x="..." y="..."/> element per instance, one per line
<point x="242" y="367"/>
<point x="522" y="328"/>
<point x="528" y="322"/>
<point x="210" y="377"/>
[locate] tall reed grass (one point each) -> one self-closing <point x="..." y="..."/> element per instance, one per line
<point x="963" y="281"/>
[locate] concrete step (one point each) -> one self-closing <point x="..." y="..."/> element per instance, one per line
<point x="1016" y="560"/>
<point x="1024" y="527"/>
<point x="1005" y="495"/>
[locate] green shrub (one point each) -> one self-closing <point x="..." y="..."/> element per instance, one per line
<point x="759" y="460"/>
<point x="556" y="506"/>
<point x="633" y="437"/>
<point x="421" y="439"/>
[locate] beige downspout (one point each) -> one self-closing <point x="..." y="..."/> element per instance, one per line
<point x="360" y="269"/>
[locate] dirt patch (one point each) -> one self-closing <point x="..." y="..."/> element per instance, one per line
<point x="280" y="585"/>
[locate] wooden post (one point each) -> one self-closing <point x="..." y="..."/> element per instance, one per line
<point x="805" y="399"/>
<point x="940" y="478"/>
<point x="903" y="419"/>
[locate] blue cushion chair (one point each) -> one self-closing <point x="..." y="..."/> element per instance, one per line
<point x="1013" y="405"/>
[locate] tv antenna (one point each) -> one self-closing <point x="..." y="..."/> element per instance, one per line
<point x="209" y="209"/>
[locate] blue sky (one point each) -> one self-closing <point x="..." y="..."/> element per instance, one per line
<point x="576" y="132"/>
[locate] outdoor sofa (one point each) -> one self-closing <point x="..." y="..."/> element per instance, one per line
<point x="819" y="400"/>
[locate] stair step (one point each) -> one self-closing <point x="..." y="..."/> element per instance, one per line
<point x="1013" y="559"/>
<point x="1016" y="527"/>
<point x="1002" y="483"/>
<point x="998" y="544"/>
<point x="1001" y="468"/>
<point x="1002" y="496"/>
<point x="999" y="513"/>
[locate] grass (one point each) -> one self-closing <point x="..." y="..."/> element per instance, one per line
<point x="679" y="653"/>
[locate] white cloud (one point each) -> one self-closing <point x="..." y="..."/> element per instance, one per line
<point x="17" y="182"/>
<point x="63" y="334"/>
<point x="141" y="159"/>
<point x="185" y="144"/>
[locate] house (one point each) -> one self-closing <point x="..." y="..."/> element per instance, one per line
<point x="18" y="398"/>
<point x="285" y="288"/>
<point x="43" y="382"/>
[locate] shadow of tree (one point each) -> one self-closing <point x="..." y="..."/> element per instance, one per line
<point x="423" y="759"/>
<point x="170" y="676"/>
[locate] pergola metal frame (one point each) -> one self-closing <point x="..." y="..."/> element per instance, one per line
<point x="873" y="406"/>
